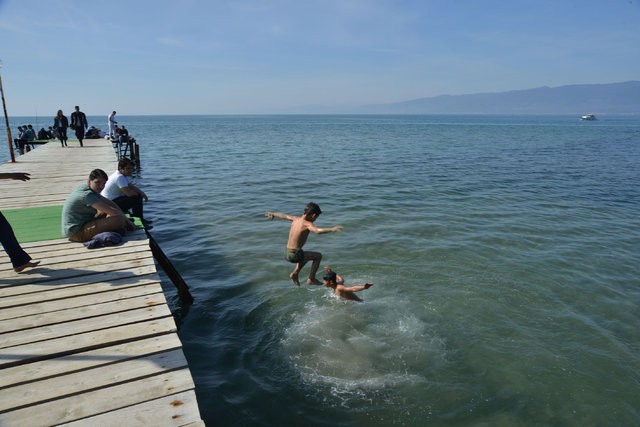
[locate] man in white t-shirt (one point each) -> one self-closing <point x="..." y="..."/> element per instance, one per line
<point x="111" y="122"/>
<point x="124" y="193"/>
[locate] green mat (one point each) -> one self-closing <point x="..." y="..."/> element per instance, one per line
<point x="41" y="223"/>
<point x="35" y="224"/>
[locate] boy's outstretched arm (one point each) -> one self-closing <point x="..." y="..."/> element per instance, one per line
<point x="280" y="215"/>
<point x="356" y="288"/>
<point x="317" y="230"/>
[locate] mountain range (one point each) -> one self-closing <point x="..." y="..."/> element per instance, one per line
<point x="611" y="98"/>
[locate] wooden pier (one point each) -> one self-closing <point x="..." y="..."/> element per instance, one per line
<point x="86" y="338"/>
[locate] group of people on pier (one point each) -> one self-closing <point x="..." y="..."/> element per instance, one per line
<point x="79" y="124"/>
<point x="96" y="206"/>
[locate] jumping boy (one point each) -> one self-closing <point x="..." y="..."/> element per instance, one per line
<point x="298" y="233"/>
<point x="346" y="292"/>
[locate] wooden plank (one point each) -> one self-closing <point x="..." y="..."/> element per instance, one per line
<point x="74" y="270"/>
<point x="81" y="326"/>
<point x="55" y="249"/>
<point x="91" y="379"/>
<point x="84" y="360"/>
<point x="44" y="294"/>
<point x="100" y="401"/>
<point x="61" y="317"/>
<point x="28" y="353"/>
<point x="37" y="306"/>
<point x="80" y="284"/>
<point x="175" y="410"/>
<point x="78" y="254"/>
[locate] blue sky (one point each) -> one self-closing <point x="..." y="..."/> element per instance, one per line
<point x="254" y="56"/>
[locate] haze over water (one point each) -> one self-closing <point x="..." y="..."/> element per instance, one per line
<point x="504" y="252"/>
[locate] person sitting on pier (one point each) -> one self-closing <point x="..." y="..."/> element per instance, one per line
<point x="29" y="136"/>
<point x="19" y="140"/>
<point x="42" y="135"/>
<point x="93" y="133"/>
<point x="87" y="213"/>
<point x="123" y="139"/>
<point x="124" y="193"/>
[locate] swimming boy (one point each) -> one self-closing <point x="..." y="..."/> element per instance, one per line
<point x="339" y="278"/>
<point x="346" y="292"/>
<point x="298" y="233"/>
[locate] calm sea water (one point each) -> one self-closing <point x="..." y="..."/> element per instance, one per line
<point x="505" y="253"/>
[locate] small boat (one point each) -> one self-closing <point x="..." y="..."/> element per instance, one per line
<point x="588" y="117"/>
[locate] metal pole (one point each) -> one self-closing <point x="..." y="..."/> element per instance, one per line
<point x="6" y="120"/>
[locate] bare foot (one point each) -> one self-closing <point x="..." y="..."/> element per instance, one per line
<point x="30" y="264"/>
<point x="294" y="278"/>
<point x="313" y="281"/>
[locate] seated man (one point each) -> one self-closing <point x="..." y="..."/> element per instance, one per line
<point x="19" y="141"/>
<point x="124" y="193"/>
<point x="123" y="139"/>
<point x="29" y="136"/>
<point x="87" y="213"/>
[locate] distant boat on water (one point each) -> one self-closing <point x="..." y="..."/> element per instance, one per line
<point x="588" y="117"/>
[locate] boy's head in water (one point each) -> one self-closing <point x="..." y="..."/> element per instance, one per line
<point x="329" y="279"/>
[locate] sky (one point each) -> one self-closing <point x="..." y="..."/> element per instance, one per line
<point x="144" y="57"/>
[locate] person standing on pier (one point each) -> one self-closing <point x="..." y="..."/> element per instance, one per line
<point x="86" y="213"/>
<point x="301" y="226"/>
<point x="60" y="124"/>
<point x="19" y="258"/>
<point x="111" y="122"/>
<point x="79" y="124"/>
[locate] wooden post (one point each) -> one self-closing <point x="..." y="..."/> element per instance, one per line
<point x="6" y="119"/>
<point x="137" y="151"/>
<point x="165" y="263"/>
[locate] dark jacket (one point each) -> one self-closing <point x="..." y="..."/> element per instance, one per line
<point x="61" y="122"/>
<point x="79" y="120"/>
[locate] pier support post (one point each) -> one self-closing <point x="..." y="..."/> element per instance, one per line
<point x="167" y="266"/>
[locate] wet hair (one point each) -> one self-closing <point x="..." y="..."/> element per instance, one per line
<point x="98" y="173"/>
<point x="124" y="162"/>
<point x="312" y="208"/>
<point x="330" y="276"/>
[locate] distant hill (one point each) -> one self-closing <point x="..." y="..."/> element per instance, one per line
<point x="612" y="98"/>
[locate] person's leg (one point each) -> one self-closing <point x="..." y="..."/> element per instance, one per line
<point x="112" y="223"/>
<point x="134" y="203"/>
<point x="80" y="135"/>
<point x="315" y="258"/>
<point x="19" y="258"/>
<point x="294" y="274"/>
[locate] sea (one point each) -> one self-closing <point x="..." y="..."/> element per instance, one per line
<point x="504" y="252"/>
